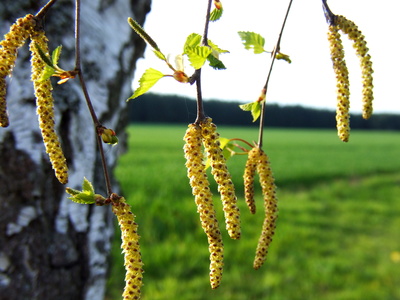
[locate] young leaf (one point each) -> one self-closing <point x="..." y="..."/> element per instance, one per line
<point x="160" y="55"/>
<point x="55" y="56"/>
<point x="254" y="108"/>
<point x="215" y="63"/>
<point x="44" y="56"/>
<point x="215" y="48"/>
<point x="193" y="40"/>
<point x="86" y="196"/>
<point x="71" y="191"/>
<point x="87" y="186"/>
<point x="216" y="14"/>
<point x="47" y="73"/>
<point x="148" y="79"/>
<point x="256" y="111"/>
<point x="83" y="198"/>
<point x="282" y="56"/>
<point x="198" y="55"/>
<point x="226" y="144"/>
<point x="253" y="41"/>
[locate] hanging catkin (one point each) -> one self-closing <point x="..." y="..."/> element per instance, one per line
<point x="45" y="107"/>
<point x="130" y="248"/>
<point x="203" y="197"/>
<point x="222" y="176"/>
<point x="268" y="187"/>
<point x="9" y="46"/>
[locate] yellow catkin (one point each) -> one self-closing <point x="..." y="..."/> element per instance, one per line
<point x="360" y="45"/>
<point x="9" y="46"/>
<point x="342" y="84"/>
<point x="267" y="182"/>
<point x="13" y="40"/>
<point x="130" y="248"/>
<point x="45" y="107"/>
<point x="249" y="174"/>
<point x="222" y="176"/>
<point x="4" y="122"/>
<point x="203" y="198"/>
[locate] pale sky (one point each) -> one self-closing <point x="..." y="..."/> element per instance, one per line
<point x="309" y="80"/>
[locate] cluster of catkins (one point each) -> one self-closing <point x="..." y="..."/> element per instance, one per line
<point x="205" y="134"/>
<point x="348" y="27"/>
<point x="258" y="161"/>
<point x="20" y="31"/>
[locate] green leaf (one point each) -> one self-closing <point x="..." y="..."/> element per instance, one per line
<point x="44" y="56"/>
<point x="160" y="55"/>
<point x="55" y="56"/>
<point x="247" y="106"/>
<point x="254" y="108"/>
<point x="193" y="40"/>
<point x="256" y="111"/>
<point x="215" y="63"/>
<point x="216" y="48"/>
<point x="86" y="196"/>
<point x="71" y="191"/>
<point x="253" y="41"/>
<point x="83" y="198"/>
<point x="198" y="55"/>
<point x="87" y="186"/>
<point x="216" y="14"/>
<point x="148" y="79"/>
<point x="282" y="56"/>
<point x="47" y="73"/>
<point x="226" y="144"/>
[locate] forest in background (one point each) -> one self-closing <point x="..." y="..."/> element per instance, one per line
<point x="155" y="108"/>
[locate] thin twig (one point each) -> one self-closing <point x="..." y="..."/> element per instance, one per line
<point x="329" y="15"/>
<point x="200" y="107"/>
<point x="197" y="74"/>
<point x="204" y="41"/>
<point x="96" y="122"/>
<point x="276" y="49"/>
<point x="42" y="12"/>
<point x="242" y="140"/>
<point x="78" y="64"/>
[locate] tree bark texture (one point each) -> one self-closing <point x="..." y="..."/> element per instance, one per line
<point x="51" y="247"/>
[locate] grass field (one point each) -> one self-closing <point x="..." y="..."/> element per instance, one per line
<point x="338" y="231"/>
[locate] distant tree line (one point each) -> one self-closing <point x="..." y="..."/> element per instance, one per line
<point x="154" y="108"/>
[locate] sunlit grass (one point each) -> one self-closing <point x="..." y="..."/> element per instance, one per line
<point x="337" y="228"/>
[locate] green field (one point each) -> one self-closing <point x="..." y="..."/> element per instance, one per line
<point x="338" y="231"/>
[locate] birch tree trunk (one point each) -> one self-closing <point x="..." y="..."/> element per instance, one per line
<point x="50" y="247"/>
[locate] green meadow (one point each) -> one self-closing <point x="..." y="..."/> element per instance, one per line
<point x="338" y="230"/>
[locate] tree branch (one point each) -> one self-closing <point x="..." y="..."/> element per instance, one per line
<point x="276" y="49"/>
<point x="197" y="74"/>
<point x="329" y="15"/>
<point x="96" y="122"/>
<point x="43" y="11"/>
